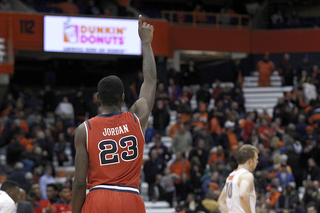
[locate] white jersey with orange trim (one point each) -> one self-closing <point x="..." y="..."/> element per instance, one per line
<point x="233" y="193"/>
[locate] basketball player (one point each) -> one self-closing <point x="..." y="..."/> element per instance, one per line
<point x="109" y="147"/>
<point x="238" y="194"/>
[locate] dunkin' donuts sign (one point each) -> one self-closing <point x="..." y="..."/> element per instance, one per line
<point x="91" y="35"/>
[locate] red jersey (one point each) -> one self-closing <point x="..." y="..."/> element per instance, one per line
<point x="62" y="208"/>
<point x="115" y="145"/>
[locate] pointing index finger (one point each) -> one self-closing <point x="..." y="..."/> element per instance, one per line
<point x="140" y="20"/>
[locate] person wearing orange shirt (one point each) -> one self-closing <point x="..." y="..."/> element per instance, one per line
<point x="179" y="166"/>
<point x="265" y="68"/>
<point x="274" y="194"/>
<point x="264" y="132"/>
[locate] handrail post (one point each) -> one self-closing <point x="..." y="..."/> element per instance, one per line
<point x="217" y="21"/>
<point x="194" y="19"/>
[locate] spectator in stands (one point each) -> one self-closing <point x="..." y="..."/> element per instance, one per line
<point x="213" y="178"/>
<point x="311" y="207"/>
<point x="92" y="9"/>
<point x="161" y="117"/>
<point x="15" y="151"/>
<point x="312" y="172"/>
<point x="60" y="147"/>
<point x="190" y="77"/>
<point x="52" y="193"/>
<point x="200" y="153"/>
<point x="265" y="68"/>
<point x="123" y="7"/>
<point x="46" y="179"/>
<point x="225" y="97"/>
<point x="80" y="108"/>
<point x="229" y="138"/>
<point x="39" y="205"/>
<point x="203" y="94"/>
<point x="305" y="65"/>
<point x="286" y="199"/>
<point x="151" y="169"/>
<point x="64" y="203"/>
<point x="161" y="94"/>
<point x="180" y="165"/>
<point x="274" y="194"/>
<point x="264" y="132"/>
<point x="65" y="109"/>
<point x="183" y="188"/>
<point x="286" y="70"/>
<point x="217" y="90"/>
<point x="168" y="186"/>
<point x="174" y="128"/>
<point x="182" y="140"/>
<point x="5" y="5"/>
<point x="285" y="178"/>
<point x="174" y="92"/>
<point x="277" y="19"/>
<point x="67" y="7"/>
<point x="94" y="106"/>
<point x="18" y="175"/>
<point x="162" y="150"/>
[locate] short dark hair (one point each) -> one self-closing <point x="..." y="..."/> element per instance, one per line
<point x="62" y="187"/>
<point x="110" y="90"/>
<point x="246" y="152"/>
<point x="311" y="204"/>
<point x="54" y="186"/>
<point x="9" y="184"/>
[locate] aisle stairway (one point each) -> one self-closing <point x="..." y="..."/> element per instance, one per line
<point x="258" y="98"/>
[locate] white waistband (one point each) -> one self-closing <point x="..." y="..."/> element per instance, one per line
<point x="118" y="188"/>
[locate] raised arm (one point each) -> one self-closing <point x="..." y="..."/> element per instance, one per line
<point x="81" y="167"/>
<point x="143" y="106"/>
<point x="245" y="185"/>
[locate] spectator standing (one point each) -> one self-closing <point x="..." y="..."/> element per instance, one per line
<point x="203" y="95"/>
<point x="161" y="117"/>
<point x="80" y="108"/>
<point x="285" y="178"/>
<point x="174" y="92"/>
<point x="265" y="68"/>
<point x="65" y="109"/>
<point x="152" y="168"/>
<point x="182" y="140"/>
<point x="46" y="179"/>
<point x="190" y="77"/>
<point x="286" y="70"/>
<point x="305" y="65"/>
<point x="180" y="165"/>
<point x="162" y="150"/>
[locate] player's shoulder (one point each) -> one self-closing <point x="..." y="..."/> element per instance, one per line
<point x="246" y="176"/>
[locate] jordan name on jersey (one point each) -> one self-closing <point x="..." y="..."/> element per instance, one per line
<point x="115" y="131"/>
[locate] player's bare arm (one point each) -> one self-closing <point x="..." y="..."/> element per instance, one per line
<point x="245" y="183"/>
<point x="81" y="167"/>
<point x="222" y="200"/>
<point x="143" y="106"/>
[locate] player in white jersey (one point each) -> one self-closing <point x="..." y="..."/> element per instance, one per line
<point x="238" y="194"/>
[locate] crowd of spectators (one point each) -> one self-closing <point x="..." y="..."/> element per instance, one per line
<point x="204" y="143"/>
<point x="37" y="128"/>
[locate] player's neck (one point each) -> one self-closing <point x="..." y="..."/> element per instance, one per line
<point x="110" y="109"/>
<point x="245" y="166"/>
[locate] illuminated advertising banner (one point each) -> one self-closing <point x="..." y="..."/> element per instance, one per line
<point x="91" y="35"/>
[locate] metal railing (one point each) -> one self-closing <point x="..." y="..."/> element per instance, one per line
<point x="211" y="20"/>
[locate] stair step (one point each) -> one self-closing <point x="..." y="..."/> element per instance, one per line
<point x="260" y="105"/>
<point x="261" y="100"/>
<point x="262" y="95"/>
<point x="267" y="89"/>
<point x="255" y="78"/>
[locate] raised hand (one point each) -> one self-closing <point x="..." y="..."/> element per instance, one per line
<point x="145" y="31"/>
